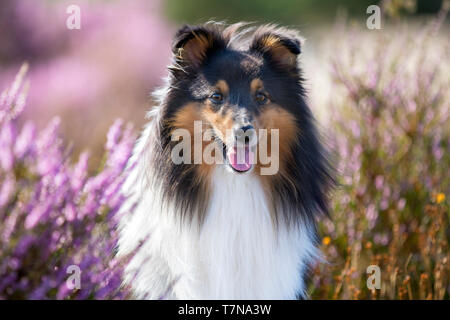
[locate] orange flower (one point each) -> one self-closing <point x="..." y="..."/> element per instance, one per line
<point x="326" y="241"/>
<point x="440" y="197"/>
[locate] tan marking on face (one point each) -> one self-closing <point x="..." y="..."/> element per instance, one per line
<point x="184" y="119"/>
<point x="220" y="119"/>
<point x="274" y="116"/>
<point x="256" y="85"/>
<point x="222" y="87"/>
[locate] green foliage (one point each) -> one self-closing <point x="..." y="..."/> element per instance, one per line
<point x="297" y="12"/>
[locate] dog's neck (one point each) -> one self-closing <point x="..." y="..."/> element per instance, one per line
<point x="238" y="252"/>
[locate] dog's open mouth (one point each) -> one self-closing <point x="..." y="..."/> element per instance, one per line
<point x="240" y="158"/>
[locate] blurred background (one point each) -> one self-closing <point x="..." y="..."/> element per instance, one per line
<point x="107" y="69"/>
<point x="382" y="98"/>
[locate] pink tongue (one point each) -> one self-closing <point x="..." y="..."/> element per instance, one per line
<point x="242" y="160"/>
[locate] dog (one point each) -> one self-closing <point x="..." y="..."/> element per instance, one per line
<point x="239" y="227"/>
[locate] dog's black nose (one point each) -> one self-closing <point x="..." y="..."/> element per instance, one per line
<point x="244" y="133"/>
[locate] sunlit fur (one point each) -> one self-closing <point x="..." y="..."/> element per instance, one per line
<point x="207" y="231"/>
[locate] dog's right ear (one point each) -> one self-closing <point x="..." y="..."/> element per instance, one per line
<point x="192" y="44"/>
<point x="281" y="46"/>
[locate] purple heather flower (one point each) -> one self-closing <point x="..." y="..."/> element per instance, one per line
<point x="379" y="182"/>
<point x="6" y="190"/>
<point x="37" y="213"/>
<point x="55" y="214"/>
<point x="25" y="140"/>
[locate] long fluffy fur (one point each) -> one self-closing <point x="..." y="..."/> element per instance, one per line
<point x="216" y="238"/>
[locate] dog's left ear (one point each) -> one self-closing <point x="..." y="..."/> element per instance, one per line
<point x="192" y="44"/>
<point x="279" y="49"/>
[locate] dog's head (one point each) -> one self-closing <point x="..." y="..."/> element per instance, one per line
<point x="244" y="86"/>
<point x="237" y="84"/>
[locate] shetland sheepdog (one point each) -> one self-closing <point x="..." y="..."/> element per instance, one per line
<point x="244" y="225"/>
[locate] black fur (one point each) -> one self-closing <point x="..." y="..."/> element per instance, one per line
<point x="237" y="55"/>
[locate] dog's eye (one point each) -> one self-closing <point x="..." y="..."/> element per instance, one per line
<point x="261" y="97"/>
<point x="216" y="97"/>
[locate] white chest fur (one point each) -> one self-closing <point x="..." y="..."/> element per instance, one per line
<point x="237" y="253"/>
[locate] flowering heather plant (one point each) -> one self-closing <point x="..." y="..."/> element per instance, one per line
<point x="114" y="60"/>
<point x="54" y="214"/>
<point x="390" y="112"/>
